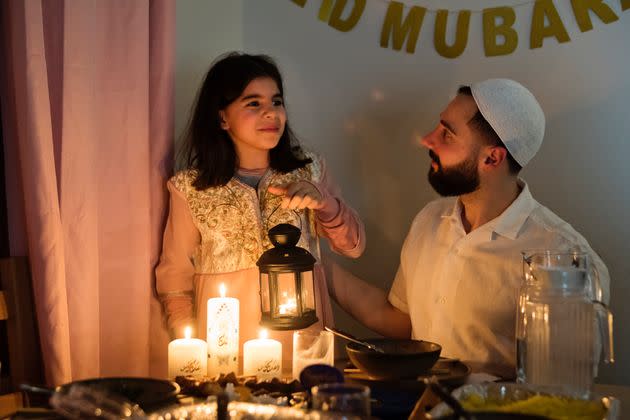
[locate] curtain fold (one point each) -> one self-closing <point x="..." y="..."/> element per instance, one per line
<point x="88" y="86"/>
<point x="162" y="120"/>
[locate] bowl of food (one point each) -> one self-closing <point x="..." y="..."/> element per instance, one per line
<point x="398" y="359"/>
<point x="519" y="401"/>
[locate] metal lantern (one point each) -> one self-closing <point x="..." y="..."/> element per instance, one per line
<point x="287" y="298"/>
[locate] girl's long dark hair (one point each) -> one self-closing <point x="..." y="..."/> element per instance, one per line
<point x="206" y="146"/>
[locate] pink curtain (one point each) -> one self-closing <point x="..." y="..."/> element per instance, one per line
<point x="87" y="101"/>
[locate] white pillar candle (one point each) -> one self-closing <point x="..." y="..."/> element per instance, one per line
<point x="187" y="356"/>
<point x="262" y="357"/>
<point x="222" y="334"/>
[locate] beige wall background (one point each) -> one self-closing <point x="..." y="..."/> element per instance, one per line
<point x="363" y="106"/>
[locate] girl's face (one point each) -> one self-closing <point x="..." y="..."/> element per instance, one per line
<point x="255" y="120"/>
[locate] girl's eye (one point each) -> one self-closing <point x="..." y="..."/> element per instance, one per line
<point x="278" y="102"/>
<point x="253" y="103"/>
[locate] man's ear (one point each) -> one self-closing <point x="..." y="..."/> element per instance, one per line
<point x="495" y="155"/>
<point x="224" y="124"/>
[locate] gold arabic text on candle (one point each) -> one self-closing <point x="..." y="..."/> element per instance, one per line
<point x="262" y="357"/>
<point x="187" y="356"/>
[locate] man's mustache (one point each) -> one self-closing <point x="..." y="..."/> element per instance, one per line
<point x="434" y="157"/>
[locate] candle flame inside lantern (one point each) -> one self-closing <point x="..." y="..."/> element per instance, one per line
<point x="222" y="290"/>
<point x="262" y="334"/>
<point x="289" y="307"/>
<point x="187" y="332"/>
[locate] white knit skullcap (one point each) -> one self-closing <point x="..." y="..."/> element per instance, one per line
<point x="514" y="114"/>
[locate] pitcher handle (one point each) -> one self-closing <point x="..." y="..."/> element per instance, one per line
<point x="604" y="316"/>
<point x="596" y="292"/>
<point x="605" y="321"/>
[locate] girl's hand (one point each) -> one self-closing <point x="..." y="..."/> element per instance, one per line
<point x="298" y="195"/>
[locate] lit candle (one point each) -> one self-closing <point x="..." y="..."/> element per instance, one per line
<point x="187" y="356"/>
<point x="222" y="334"/>
<point x="289" y="307"/>
<point x="262" y="357"/>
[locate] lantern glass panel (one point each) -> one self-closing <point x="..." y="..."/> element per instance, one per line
<point x="264" y="292"/>
<point x="308" y="295"/>
<point x="286" y="298"/>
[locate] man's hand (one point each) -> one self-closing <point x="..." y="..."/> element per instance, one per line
<point x="298" y="195"/>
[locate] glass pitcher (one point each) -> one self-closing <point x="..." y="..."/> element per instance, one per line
<point x="560" y="321"/>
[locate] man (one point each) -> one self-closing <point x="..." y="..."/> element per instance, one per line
<point x="461" y="264"/>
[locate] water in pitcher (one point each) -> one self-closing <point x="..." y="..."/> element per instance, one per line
<point x="557" y="339"/>
<point x="557" y="347"/>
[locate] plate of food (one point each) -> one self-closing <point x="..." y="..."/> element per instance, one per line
<point x="243" y="388"/>
<point x="522" y="399"/>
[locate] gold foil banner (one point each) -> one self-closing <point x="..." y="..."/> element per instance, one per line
<point x="402" y="23"/>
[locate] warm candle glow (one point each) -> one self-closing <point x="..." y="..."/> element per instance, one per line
<point x="222" y="333"/>
<point x="290" y="307"/>
<point x="187" y="356"/>
<point x="262" y="357"/>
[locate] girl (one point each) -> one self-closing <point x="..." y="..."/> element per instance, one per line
<point x="246" y="173"/>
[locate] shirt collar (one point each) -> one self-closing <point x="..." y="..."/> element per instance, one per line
<point x="508" y="223"/>
<point x="454" y="212"/>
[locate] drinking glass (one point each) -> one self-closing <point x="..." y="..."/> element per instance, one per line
<point x="342" y="398"/>
<point x="312" y="348"/>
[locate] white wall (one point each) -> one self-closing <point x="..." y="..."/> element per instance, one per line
<point x="205" y="30"/>
<point x="363" y="106"/>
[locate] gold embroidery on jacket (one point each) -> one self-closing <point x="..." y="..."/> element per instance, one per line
<point x="233" y="220"/>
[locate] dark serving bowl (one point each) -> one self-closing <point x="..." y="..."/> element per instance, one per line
<point x="401" y="359"/>
<point x="146" y="392"/>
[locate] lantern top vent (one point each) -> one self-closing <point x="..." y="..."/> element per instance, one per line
<point x="284" y="235"/>
<point x="285" y="255"/>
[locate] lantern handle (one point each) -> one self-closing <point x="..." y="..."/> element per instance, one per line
<point x="274" y="210"/>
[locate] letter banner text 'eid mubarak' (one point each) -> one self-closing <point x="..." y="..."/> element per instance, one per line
<point x="402" y="21"/>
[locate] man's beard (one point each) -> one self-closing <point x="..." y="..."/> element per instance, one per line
<point x="462" y="178"/>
